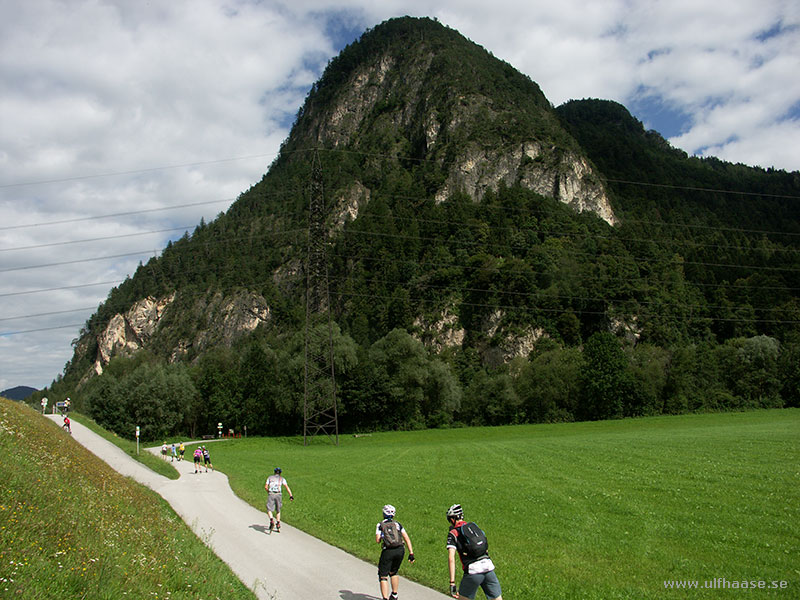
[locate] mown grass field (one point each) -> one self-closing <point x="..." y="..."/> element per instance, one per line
<point x="71" y="527"/>
<point x="585" y="510"/>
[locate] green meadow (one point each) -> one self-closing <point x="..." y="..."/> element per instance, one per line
<point x="71" y="527"/>
<point x="614" y="509"/>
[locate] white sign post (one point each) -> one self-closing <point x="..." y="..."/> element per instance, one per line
<point x="137" y="440"/>
<point x="44" y="404"/>
<point x="219" y="430"/>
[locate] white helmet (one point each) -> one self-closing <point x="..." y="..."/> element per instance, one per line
<point x="389" y="511"/>
<point x="455" y="512"/>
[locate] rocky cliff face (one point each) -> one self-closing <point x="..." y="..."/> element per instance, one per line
<point x="126" y="333"/>
<point x="565" y="176"/>
<point x="227" y="317"/>
<point x="444" y="331"/>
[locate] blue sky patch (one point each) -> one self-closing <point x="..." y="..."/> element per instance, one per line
<point x="776" y="30"/>
<point x="793" y="113"/>
<point x="344" y="27"/>
<point x="660" y="116"/>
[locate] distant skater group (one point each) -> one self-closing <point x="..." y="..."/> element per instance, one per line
<point x="202" y="458"/>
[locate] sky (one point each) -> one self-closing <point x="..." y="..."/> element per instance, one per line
<point x="123" y="123"/>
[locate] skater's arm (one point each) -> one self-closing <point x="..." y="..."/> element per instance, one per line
<point x="451" y="564"/>
<point x="286" y="485"/>
<point x="407" y="540"/>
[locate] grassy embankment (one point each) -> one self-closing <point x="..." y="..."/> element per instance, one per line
<point x="148" y="459"/>
<point x="71" y="527"/>
<point x="585" y="510"/>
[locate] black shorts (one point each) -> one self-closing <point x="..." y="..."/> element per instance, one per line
<point x="390" y="561"/>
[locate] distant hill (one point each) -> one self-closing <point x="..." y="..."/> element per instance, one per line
<point x="18" y="393"/>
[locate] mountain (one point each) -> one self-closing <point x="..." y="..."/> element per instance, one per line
<point x="411" y="111"/>
<point x="480" y="243"/>
<point x="19" y="392"/>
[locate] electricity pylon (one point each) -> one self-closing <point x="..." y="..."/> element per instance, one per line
<point x="319" y="403"/>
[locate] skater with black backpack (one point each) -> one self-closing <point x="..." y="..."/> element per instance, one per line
<point x="393" y="538"/>
<point x="470" y="543"/>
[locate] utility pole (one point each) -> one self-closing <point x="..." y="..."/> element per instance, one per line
<point x="319" y="404"/>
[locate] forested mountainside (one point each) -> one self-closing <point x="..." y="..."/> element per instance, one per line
<point x="491" y="259"/>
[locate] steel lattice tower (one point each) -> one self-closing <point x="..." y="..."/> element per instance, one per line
<point x="319" y="404"/>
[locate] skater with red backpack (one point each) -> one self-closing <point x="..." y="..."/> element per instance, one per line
<point x="470" y="543"/>
<point x="393" y="539"/>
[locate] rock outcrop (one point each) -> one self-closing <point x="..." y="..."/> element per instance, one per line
<point x="225" y="319"/>
<point x="228" y="318"/>
<point x="126" y="333"/>
<point x="441" y="332"/>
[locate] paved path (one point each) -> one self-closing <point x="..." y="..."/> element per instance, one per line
<point x="290" y="565"/>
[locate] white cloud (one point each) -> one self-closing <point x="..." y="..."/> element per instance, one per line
<point x="91" y="90"/>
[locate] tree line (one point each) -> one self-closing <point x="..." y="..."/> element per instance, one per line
<point x="397" y="384"/>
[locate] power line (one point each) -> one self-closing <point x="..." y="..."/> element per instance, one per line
<point x="538" y="309"/>
<point x="491" y="228"/>
<point x="99" y="239"/>
<point x="419" y="238"/>
<point x="21" y="331"/>
<point x="544" y="295"/>
<point x="136" y="171"/>
<point x="77" y="261"/>
<point x="701" y="189"/>
<point x="581" y="311"/>
<point x="578" y="253"/>
<point x="522" y="229"/>
<point x="639" y="260"/>
<point x="48" y="314"/>
<point x="63" y="287"/>
<point x="121" y="214"/>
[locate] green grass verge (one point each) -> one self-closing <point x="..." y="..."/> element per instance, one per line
<point x="71" y="527"/>
<point x="148" y="459"/>
<point x="585" y="510"/>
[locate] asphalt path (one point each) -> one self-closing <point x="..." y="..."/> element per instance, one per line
<point x="290" y="565"/>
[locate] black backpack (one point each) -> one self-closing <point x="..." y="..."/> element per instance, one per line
<point x="471" y="541"/>
<point x="392" y="538"/>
